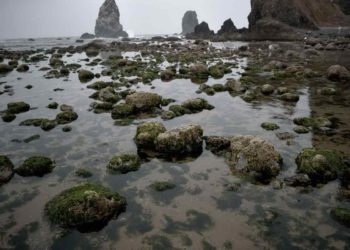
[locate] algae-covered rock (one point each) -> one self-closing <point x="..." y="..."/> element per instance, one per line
<point x="341" y="215"/>
<point x="253" y="154"/>
<point x="144" y="101"/>
<point x="269" y="126"/>
<point x="301" y="130"/>
<point x="36" y="166"/>
<point x="6" y="169"/>
<point x="147" y="133"/>
<point x="108" y="95"/>
<point x="317" y="122"/>
<point x="184" y="140"/>
<point x="197" y="105"/>
<point x="122" y="110"/>
<point x="17" y="107"/>
<point x="47" y="125"/>
<point x="167" y="75"/>
<point x="179" y="110"/>
<point x="248" y="155"/>
<point x="124" y="163"/>
<point x="162" y="186"/>
<point x="320" y="165"/>
<point x="99" y="85"/>
<point x="66" y="117"/>
<point x="85" y="207"/>
<point x="85" y="75"/>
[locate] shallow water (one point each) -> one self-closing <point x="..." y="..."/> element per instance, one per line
<point x="198" y="212"/>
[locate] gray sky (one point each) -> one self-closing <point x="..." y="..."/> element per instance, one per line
<point x="50" y="18"/>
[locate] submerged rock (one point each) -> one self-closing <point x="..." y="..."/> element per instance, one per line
<point x="124" y="163"/>
<point x="341" y="215"/>
<point x="6" y="169"/>
<point x="86" y="207"/>
<point x="36" y="166"/>
<point x="108" y="23"/>
<point x="269" y="126"/>
<point x="184" y="140"/>
<point x="299" y="180"/>
<point x="189" y="22"/>
<point x="320" y="165"/>
<point x="162" y="186"/>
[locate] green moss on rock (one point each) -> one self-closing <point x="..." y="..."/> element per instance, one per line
<point x="270" y="126"/>
<point x="83" y="173"/>
<point x="36" y="166"/>
<point x="320" y="165"/>
<point x="85" y="75"/>
<point x="122" y="110"/>
<point x="124" y="163"/>
<point x="147" y="133"/>
<point x="85" y="206"/>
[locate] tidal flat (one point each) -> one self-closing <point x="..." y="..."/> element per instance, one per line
<point x="184" y="188"/>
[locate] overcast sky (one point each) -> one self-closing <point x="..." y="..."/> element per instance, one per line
<point x="52" y="18"/>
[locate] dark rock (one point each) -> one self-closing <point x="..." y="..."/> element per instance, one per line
<point x="144" y="101"/>
<point x="299" y="180"/>
<point x="23" y="68"/>
<point x="6" y="169"/>
<point x="5" y="68"/>
<point x="17" y="107"/>
<point x="338" y="73"/>
<point x="85" y="76"/>
<point x="341" y="215"/>
<point x="202" y="31"/>
<point x="228" y="28"/>
<point x="66" y="117"/>
<point x="87" y="36"/>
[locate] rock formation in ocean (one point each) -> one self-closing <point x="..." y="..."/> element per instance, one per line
<point x="301" y="14"/>
<point x="201" y="31"/>
<point x="107" y="23"/>
<point x="228" y="28"/>
<point x="345" y="6"/>
<point x="189" y="22"/>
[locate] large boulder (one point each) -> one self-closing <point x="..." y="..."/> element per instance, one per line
<point x="189" y="22"/>
<point x="144" y="101"/>
<point x="107" y="23"/>
<point x="228" y="28"/>
<point x="180" y="141"/>
<point x="248" y="155"/>
<point x="338" y="73"/>
<point x="85" y="207"/>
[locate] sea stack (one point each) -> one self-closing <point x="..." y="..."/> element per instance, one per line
<point x="108" y="21"/>
<point x="228" y="28"/>
<point x="201" y="31"/>
<point x="189" y="22"/>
